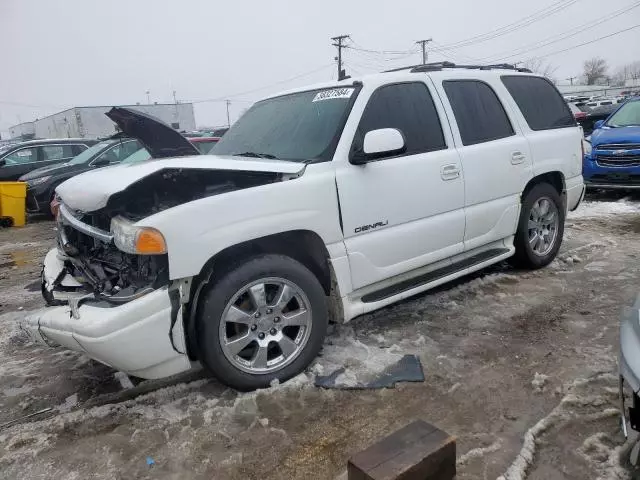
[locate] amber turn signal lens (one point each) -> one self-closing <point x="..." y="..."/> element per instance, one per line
<point x="150" y="242"/>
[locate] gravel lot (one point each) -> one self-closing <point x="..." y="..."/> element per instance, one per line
<point x="519" y="366"/>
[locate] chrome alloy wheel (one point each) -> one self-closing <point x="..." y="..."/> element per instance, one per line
<point x="265" y="326"/>
<point x="543" y="226"/>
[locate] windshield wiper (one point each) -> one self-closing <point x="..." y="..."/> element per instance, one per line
<point x="256" y="155"/>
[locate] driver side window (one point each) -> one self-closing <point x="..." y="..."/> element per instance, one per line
<point x="409" y="108"/>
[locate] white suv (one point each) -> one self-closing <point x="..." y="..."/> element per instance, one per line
<point x="321" y="203"/>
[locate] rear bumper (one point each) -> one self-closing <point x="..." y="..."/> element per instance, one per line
<point x="575" y="192"/>
<point x="132" y="337"/>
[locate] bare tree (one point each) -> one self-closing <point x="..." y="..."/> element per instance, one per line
<point x="633" y="70"/>
<point x="537" y="65"/>
<point x="594" y="69"/>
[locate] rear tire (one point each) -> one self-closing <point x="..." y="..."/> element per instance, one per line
<point x="540" y="228"/>
<point x="262" y="320"/>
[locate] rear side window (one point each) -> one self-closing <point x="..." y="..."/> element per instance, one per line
<point x="540" y="103"/>
<point x="409" y="108"/>
<point x="56" y="152"/>
<point x="478" y="111"/>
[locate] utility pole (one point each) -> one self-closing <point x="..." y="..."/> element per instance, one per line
<point x="571" y="79"/>
<point x="228" y="102"/>
<point x="148" y="97"/>
<point x="423" y="44"/>
<point x="339" y="43"/>
<point x="174" y="98"/>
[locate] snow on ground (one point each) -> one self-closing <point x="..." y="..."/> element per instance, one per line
<point x="591" y="208"/>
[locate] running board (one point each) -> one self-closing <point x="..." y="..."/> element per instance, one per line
<point x="432" y="276"/>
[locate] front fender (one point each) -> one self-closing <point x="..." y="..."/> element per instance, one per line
<point x="198" y="230"/>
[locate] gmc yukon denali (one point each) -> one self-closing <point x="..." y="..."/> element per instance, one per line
<point x="319" y="204"/>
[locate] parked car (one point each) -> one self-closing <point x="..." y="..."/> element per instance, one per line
<point x="593" y="115"/>
<point x="19" y="159"/>
<point x="41" y="183"/>
<point x="204" y="144"/>
<point x="612" y="157"/>
<point x="361" y="194"/>
<point x="601" y="102"/>
<point x="578" y="113"/>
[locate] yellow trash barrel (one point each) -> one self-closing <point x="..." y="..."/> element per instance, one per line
<point x="12" y="202"/>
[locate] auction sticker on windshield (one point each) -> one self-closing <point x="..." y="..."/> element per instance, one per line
<point x="333" y="93"/>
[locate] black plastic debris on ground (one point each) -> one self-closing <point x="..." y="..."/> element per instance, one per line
<point x="407" y="369"/>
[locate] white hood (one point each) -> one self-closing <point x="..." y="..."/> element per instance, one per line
<point x="90" y="191"/>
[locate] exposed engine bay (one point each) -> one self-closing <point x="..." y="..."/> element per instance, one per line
<point x="95" y="263"/>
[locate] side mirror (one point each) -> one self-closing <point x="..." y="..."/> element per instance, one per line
<point x="384" y="142"/>
<point x="101" y="162"/>
<point x="598" y="124"/>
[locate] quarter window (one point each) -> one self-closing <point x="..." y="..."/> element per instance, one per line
<point x="540" y="102"/>
<point x="409" y="108"/>
<point x="479" y="114"/>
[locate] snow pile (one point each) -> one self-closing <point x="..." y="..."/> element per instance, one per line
<point x="479" y="452"/>
<point x="539" y="381"/>
<point x="603" y="209"/>
<point x="566" y="410"/>
<point x="361" y="362"/>
<point x="598" y="451"/>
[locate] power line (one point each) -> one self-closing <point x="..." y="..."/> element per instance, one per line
<point x="523" y="22"/>
<point x="557" y="38"/>
<point x="360" y="48"/>
<point x="246" y="92"/>
<point x="340" y="45"/>
<point x="587" y="43"/>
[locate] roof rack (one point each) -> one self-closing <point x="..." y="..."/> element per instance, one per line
<point x="435" y="66"/>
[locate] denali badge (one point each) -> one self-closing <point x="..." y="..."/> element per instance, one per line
<point x="364" y="228"/>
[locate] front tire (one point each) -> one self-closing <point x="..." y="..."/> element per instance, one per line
<point x="540" y="228"/>
<point x="263" y="320"/>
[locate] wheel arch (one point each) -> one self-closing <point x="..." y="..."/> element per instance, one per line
<point x="555" y="178"/>
<point x="304" y="246"/>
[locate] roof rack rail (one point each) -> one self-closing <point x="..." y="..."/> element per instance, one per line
<point x="500" y="66"/>
<point x="435" y="66"/>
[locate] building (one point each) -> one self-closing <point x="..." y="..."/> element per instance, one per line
<point x="22" y="131"/>
<point x="91" y="122"/>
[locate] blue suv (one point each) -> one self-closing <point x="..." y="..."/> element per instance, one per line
<point x="612" y="158"/>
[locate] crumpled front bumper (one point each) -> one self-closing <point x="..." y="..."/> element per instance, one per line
<point x="132" y="337"/>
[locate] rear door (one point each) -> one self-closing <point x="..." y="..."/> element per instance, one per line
<point x="52" y="154"/>
<point x="495" y="158"/>
<point x="548" y="124"/>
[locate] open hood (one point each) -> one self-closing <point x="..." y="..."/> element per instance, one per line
<point x="91" y="191"/>
<point x="160" y="140"/>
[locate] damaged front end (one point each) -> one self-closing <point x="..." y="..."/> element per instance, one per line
<point x="89" y="263"/>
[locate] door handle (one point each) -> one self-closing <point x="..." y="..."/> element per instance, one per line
<point x="517" y="157"/>
<point x="449" y="172"/>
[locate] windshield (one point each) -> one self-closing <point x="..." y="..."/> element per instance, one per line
<point x="89" y="153"/>
<point x="628" y="115"/>
<point x="139" y="156"/>
<point x="302" y="127"/>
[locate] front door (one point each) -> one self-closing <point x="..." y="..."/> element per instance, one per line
<point x="404" y="211"/>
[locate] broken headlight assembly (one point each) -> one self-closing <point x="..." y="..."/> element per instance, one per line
<point x="137" y="240"/>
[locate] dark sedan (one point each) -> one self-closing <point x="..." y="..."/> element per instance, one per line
<point x="21" y="158"/>
<point x="41" y="183"/>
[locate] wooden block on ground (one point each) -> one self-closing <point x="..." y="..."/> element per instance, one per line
<point x="418" y="451"/>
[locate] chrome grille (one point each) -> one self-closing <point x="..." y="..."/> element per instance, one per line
<point x="619" y="146"/>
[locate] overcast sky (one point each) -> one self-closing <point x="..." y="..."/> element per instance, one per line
<point x="57" y="54"/>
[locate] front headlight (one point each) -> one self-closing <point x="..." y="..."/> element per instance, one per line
<point x="586" y="147"/>
<point x="137" y="240"/>
<point x="37" y="181"/>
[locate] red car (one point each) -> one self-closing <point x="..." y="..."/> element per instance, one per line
<point x="204" y="144"/>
